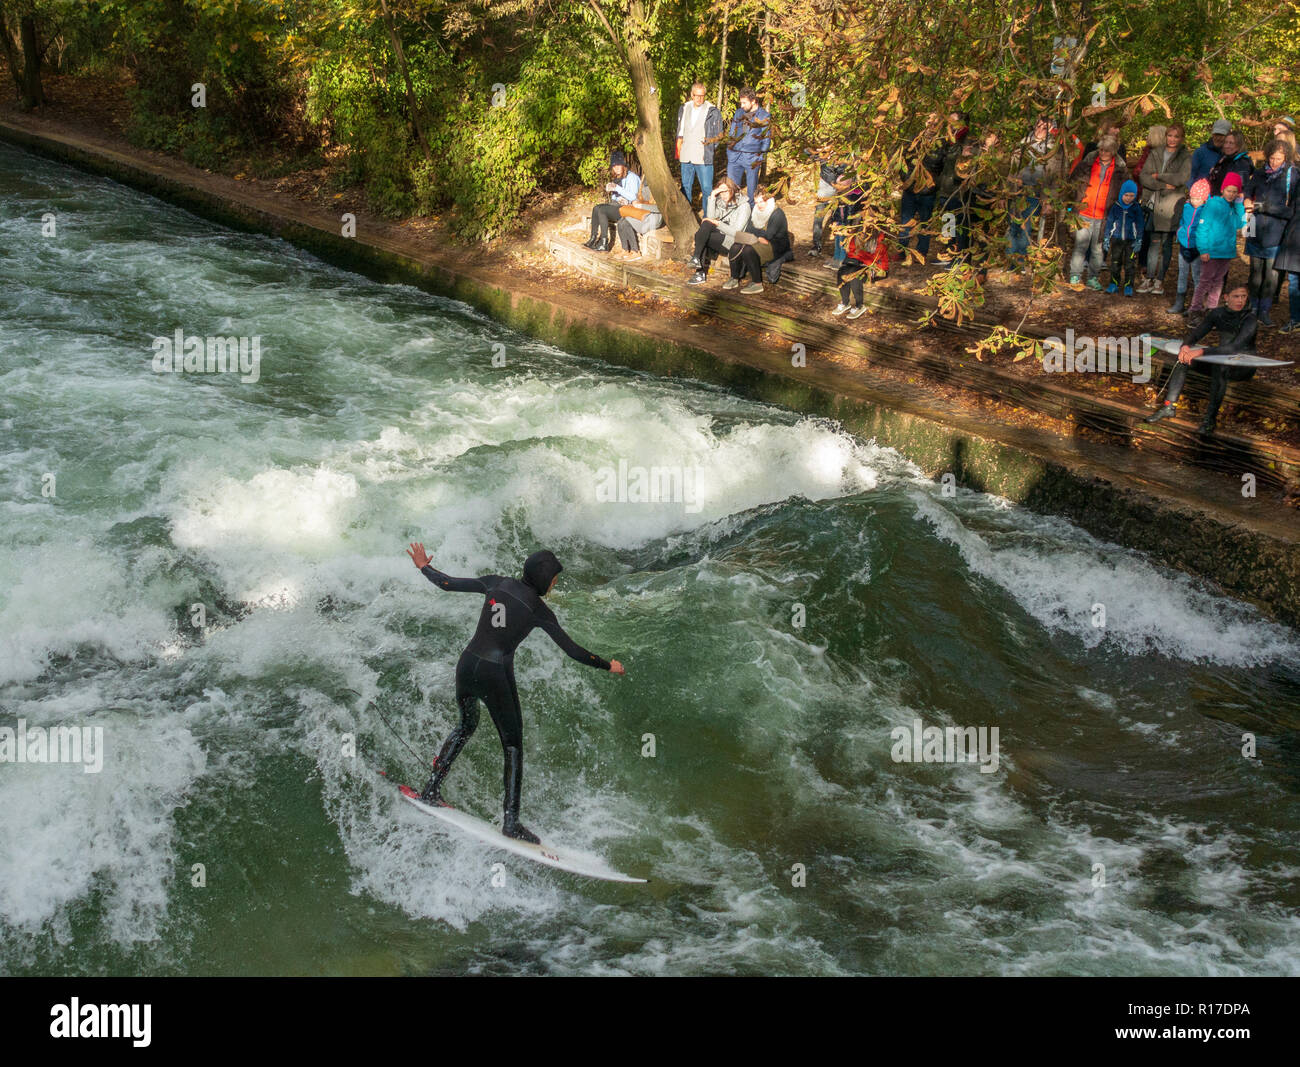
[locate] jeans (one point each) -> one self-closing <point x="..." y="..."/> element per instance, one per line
<point x="701" y="171"/>
<point x="919" y="206"/>
<point x="1087" y="248"/>
<point x="743" y="170"/>
<point x="1185" y="268"/>
<point x="1018" y="231"/>
<point x="1161" y="248"/>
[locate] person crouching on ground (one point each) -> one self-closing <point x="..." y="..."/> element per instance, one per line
<point x="764" y="240"/>
<point x="622" y="190"/>
<point x="867" y="259"/>
<point x="1125" y="223"/>
<point x="1237" y="326"/>
<point x="727" y="215"/>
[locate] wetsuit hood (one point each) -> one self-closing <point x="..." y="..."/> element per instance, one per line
<point x="540" y="569"/>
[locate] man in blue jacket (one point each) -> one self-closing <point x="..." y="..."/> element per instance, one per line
<point x="1204" y="158"/>
<point x="749" y="136"/>
<point x="699" y="126"/>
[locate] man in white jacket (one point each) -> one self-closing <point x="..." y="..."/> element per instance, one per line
<point x="699" y="125"/>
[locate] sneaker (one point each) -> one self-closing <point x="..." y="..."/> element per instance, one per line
<point x="698" y="278"/>
<point x="1157" y="288"/>
<point x="812" y="253"/>
<point x="839" y="309"/>
<point x="694" y="262"/>
<point x="1112" y="289"/>
<point x="1164" y="411"/>
<point x="752" y="288"/>
<point x="1094" y="283"/>
<point x="1144" y="286"/>
<point x="857" y="312"/>
<point x="832" y="264"/>
<point x="731" y="283"/>
<point x="1128" y="290"/>
<point x="1290" y="327"/>
<point x="944" y="264"/>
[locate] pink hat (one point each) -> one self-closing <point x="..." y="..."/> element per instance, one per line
<point x="1200" y="189"/>
<point x="1232" y="178"/>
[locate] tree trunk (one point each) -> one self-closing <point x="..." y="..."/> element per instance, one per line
<point x="33" y="91"/>
<point x="406" y="77"/>
<point x="649" y="134"/>
<point x="722" y="67"/>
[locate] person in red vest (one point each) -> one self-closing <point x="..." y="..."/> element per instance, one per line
<point x="1098" y="178"/>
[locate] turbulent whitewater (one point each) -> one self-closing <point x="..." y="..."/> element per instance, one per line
<point x="211" y="570"/>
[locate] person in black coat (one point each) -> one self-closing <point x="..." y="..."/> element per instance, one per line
<point x="1271" y="196"/>
<point x="766" y="240"/>
<point x="1235" y="160"/>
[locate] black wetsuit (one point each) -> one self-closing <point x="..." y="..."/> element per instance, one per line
<point x="1237" y="331"/>
<point x="485" y="671"/>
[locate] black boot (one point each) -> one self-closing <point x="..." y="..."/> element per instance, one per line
<point x="1164" y="411"/>
<point x="603" y="245"/>
<point x="442" y="765"/>
<point x="1218" y="390"/>
<point x="514" y="782"/>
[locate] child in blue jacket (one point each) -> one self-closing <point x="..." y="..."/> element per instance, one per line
<point x="1122" y="237"/>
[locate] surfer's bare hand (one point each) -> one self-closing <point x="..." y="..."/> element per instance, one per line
<point x="1187" y="353"/>
<point x="418" y="556"/>
<point x="615" y="667"/>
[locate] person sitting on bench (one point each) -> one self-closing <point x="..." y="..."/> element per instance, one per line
<point x="727" y="215"/>
<point x="764" y="242"/>
<point x="1237" y="326"/>
<point x="621" y="190"/>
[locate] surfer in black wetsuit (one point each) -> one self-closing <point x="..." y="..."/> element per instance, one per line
<point x="1237" y="326"/>
<point x="485" y="671"/>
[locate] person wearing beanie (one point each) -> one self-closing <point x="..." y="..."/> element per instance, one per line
<point x="1217" y="240"/>
<point x="623" y="189"/>
<point x="512" y="609"/>
<point x="1189" y="256"/>
<point x="1270" y="201"/>
<point x="1204" y="158"/>
<point x="1125" y="225"/>
<point x="1235" y="159"/>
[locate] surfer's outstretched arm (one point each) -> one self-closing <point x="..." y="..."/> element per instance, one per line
<point x="444" y="581"/>
<point x="547" y="621"/>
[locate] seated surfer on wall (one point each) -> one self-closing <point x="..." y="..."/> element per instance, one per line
<point x="1237" y="326"/>
<point x="486" y="669"/>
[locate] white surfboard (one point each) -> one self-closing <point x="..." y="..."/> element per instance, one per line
<point x="1236" y="359"/>
<point x="563" y="859"/>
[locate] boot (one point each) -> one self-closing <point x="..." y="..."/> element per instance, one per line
<point x="603" y="245"/>
<point x="514" y="776"/>
<point x="1218" y="390"/>
<point x="1262" y="313"/>
<point x="442" y="765"/>
<point x="1166" y="410"/>
<point x="1180" y="304"/>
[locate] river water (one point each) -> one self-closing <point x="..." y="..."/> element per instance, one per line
<point x="808" y="595"/>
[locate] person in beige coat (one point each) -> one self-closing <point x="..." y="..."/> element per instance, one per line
<point x="1164" y="184"/>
